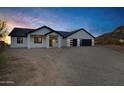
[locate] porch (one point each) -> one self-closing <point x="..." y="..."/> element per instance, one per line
<point x="46" y="41"/>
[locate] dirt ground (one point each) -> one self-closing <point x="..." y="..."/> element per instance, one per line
<point x="64" y="66"/>
<point x="115" y="47"/>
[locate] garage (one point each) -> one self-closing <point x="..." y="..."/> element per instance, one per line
<point x="80" y="38"/>
<point x="85" y="42"/>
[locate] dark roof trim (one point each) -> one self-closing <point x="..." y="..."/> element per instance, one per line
<point x="41" y="28"/>
<point x="73" y="32"/>
<point x="48" y="33"/>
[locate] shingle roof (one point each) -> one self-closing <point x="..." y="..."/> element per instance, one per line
<point x="64" y="34"/>
<point x="20" y="32"/>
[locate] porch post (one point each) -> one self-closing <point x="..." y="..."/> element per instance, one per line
<point x="78" y="42"/>
<point x="28" y="41"/>
<point x="47" y="41"/>
<point x="59" y="41"/>
<point x="68" y="42"/>
<point x="93" y="43"/>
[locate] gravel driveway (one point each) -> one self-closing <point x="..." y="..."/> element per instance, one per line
<point x="65" y="66"/>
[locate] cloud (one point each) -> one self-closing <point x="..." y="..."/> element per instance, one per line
<point x="26" y="21"/>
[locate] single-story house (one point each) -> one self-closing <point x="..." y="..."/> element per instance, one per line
<point x="47" y="37"/>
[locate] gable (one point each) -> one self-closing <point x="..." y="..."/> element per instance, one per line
<point x="54" y="33"/>
<point x="42" y="31"/>
<point x="81" y="35"/>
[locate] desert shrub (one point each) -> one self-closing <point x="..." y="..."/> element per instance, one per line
<point x="119" y="43"/>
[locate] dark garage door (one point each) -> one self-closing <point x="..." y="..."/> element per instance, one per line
<point x="86" y="42"/>
<point x="73" y="42"/>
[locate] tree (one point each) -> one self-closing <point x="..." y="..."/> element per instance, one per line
<point x="3" y="31"/>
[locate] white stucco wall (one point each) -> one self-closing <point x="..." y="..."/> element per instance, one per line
<point x="59" y="41"/>
<point x="14" y="43"/>
<point x="64" y="42"/>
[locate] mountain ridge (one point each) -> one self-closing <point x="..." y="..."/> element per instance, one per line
<point x="114" y="38"/>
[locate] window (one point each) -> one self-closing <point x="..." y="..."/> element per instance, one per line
<point x="19" y="40"/>
<point x="37" y="39"/>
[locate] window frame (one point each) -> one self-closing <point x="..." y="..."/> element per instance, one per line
<point x="19" y="40"/>
<point x="37" y="39"/>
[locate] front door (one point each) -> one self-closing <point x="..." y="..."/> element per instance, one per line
<point x="53" y="41"/>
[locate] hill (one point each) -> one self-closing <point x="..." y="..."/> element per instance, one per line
<point x="112" y="38"/>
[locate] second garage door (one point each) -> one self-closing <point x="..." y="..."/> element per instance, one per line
<point x="85" y="42"/>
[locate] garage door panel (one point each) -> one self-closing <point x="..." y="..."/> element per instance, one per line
<point x="85" y="42"/>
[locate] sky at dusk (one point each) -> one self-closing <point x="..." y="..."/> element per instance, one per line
<point x="95" y="20"/>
